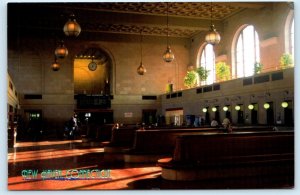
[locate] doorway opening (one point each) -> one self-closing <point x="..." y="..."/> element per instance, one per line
<point x="92" y="72"/>
<point x="254" y="114"/>
<point x="149" y="116"/>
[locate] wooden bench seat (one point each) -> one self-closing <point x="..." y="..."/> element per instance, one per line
<point x="121" y="138"/>
<point x="150" y="145"/>
<point x="235" y="155"/>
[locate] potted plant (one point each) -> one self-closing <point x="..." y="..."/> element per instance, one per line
<point x="190" y="80"/>
<point x="286" y="61"/>
<point x="203" y="73"/>
<point x="169" y="88"/>
<point x="258" y="67"/>
<point x="222" y="71"/>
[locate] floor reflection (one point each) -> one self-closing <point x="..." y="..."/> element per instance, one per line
<point x="69" y="155"/>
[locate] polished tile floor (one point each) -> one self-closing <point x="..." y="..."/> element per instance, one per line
<point x="54" y="165"/>
<point x="59" y="165"/>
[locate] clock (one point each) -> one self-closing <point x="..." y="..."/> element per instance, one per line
<point x="92" y="66"/>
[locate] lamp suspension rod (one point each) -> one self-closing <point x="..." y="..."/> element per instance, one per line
<point x="141" y="40"/>
<point x="211" y="10"/>
<point x="167" y="23"/>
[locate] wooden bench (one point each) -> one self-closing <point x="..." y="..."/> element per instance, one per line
<point x="121" y="138"/>
<point x="104" y="132"/>
<point x="150" y="145"/>
<point x="264" y="155"/>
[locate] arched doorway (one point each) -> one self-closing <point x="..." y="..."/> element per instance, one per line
<point x="92" y="72"/>
<point x="92" y="90"/>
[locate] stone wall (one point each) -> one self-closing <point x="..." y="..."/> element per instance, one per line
<point x="30" y="58"/>
<point x="269" y="23"/>
<point x="234" y="92"/>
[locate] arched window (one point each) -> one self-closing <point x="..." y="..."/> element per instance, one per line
<point x="246" y="52"/>
<point x="207" y="61"/>
<point x="292" y="38"/>
<point x="289" y="33"/>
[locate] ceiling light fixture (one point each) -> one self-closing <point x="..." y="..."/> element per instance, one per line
<point x="141" y="70"/>
<point x="55" y="65"/>
<point x="72" y="28"/>
<point x="168" y="55"/>
<point x="213" y="37"/>
<point x="61" y="51"/>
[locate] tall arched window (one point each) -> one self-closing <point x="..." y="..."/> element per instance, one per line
<point x="246" y="52"/>
<point x="292" y="38"/>
<point x="289" y="33"/>
<point x="207" y="61"/>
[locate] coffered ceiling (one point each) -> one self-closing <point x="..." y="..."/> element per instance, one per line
<point x="185" y="18"/>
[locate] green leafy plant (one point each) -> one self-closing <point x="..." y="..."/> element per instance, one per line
<point x="203" y="73"/>
<point x="286" y="61"/>
<point x="169" y="88"/>
<point x="190" y="80"/>
<point x="222" y="71"/>
<point x="258" y="67"/>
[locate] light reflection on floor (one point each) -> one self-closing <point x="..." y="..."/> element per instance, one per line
<point x="69" y="155"/>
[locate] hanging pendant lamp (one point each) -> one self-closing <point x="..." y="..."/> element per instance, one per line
<point x="72" y="28"/>
<point x="213" y="37"/>
<point x="168" y="55"/>
<point x="55" y="65"/>
<point x="61" y="51"/>
<point x="141" y="70"/>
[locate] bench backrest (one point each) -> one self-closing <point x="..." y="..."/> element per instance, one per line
<point x="162" y="141"/>
<point x="123" y="136"/>
<point x="222" y="148"/>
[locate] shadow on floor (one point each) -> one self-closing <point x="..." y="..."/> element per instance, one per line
<point x="159" y="183"/>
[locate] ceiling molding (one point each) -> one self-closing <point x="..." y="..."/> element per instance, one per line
<point x="186" y="19"/>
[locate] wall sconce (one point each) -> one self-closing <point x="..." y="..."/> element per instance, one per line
<point x="204" y="110"/>
<point x="238" y="107"/>
<point x="266" y="106"/>
<point x="250" y="106"/>
<point x="225" y="108"/>
<point x="214" y="109"/>
<point x="284" y="104"/>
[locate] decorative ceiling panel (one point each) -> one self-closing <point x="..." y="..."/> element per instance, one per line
<point x="146" y="30"/>
<point x="201" y="10"/>
<point x="185" y="18"/>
